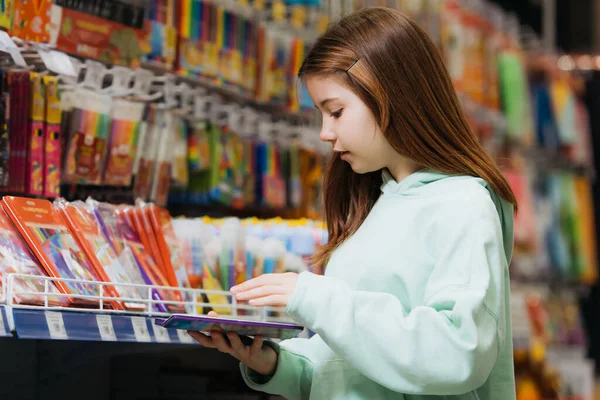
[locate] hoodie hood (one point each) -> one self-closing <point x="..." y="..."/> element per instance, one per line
<point x="427" y="182"/>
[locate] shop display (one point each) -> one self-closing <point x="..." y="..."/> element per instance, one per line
<point x="200" y="112"/>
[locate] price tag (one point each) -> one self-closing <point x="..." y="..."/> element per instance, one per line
<point x="56" y="325"/>
<point x="162" y="334"/>
<point x="184" y="337"/>
<point x="140" y="328"/>
<point x="106" y="328"/>
<point x="2" y="328"/>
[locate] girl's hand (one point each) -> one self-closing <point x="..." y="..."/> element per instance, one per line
<point x="258" y="357"/>
<point x="267" y="290"/>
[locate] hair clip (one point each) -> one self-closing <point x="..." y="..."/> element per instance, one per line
<point x="353" y="64"/>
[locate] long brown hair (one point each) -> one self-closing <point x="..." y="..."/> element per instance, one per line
<point x="397" y="71"/>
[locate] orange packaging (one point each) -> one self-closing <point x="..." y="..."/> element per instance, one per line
<point x="32" y="20"/>
<point x="142" y="225"/>
<point x="16" y="258"/>
<point x="169" y="245"/>
<point x="45" y="231"/>
<point x="88" y="36"/>
<point x="87" y="232"/>
<point x="151" y="271"/>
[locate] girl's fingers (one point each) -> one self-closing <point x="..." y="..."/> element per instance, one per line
<point x="259" y="292"/>
<point x="202" y="339"/>
<point x="275" y="300"/>
<point x="220" y="342"/>
<point x="266" y="279"/>
<point x="236" y="344"/>
<point x="257" y="345"/>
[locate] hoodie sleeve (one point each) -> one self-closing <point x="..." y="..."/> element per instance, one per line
<point x="446" y="346"/>
<point x="293" y="376"/>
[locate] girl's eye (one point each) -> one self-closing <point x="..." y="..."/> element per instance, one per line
<point x="337" y="113"/>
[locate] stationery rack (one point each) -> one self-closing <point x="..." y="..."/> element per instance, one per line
<point x="101" y="323"/>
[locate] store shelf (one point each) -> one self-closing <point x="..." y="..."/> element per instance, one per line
<point x="92" y="326"/>
<point x="47" y="322"/>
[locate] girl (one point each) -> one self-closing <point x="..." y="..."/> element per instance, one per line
<point x="414" y="303"/>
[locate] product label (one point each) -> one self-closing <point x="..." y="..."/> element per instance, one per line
<point x="56" y="325"/>
<point x="106" y="328"/>
<point x="161" y="334"/>
<point x="140" y="328"/>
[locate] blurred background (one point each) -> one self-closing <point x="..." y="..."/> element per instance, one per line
<point x="192" y="107"/>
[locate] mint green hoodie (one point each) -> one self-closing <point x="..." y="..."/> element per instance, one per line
<point x="415" y="305"/>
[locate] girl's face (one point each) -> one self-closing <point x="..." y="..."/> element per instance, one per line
<point x="350" y="126"/>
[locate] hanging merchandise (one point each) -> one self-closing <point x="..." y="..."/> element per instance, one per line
<point x="547" y="136"/>
<point x="162" y="159"/>
<point x="179" y="130"/>
<point x="123" y="142"/>
<point x="584" y="198"/>
<point x="162" y="34"/>
<point x="7" y="13"/>
<point x="52" y="138"/>
<point x="5" y="102"/>
<point x="493" y="46"/>
<point x="198" y="154"/>
<point x="148" y="152"/>
<point x="34" y="180"/>
<point x="126" y="12"/>
<point x="48" y="237"/>
<point x="311" y="171"/>
<point x="226" y="180"/>
<point x="515" y="97"/>
<point x="32" y="20"/>
<point x="194" y="30"/>
<point x="86" y="230"/>
<point x="521" y="182"/>
<point x="563" y="105"/>
<point x="474" y="48"/>
<point x="86" y="35"/>
<point x="16" y="258"/>
<point x="20" y="95"/>
<point x="271" y="191"/>
<point x="454" y="43"/>
<point x="291" y="167"/>
<point x="87" y="145"/>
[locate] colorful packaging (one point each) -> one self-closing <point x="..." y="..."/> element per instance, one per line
<point x="87" y="231"/>
<point x="35" y="152"/>
<point x="52" y="138"/>
<point x="124" y="137"/>
<point x="110" y="42"/>
<point x="16" y="258"/>
<point x="150" y="270"/>
<point x="48" y="237"/>
<point x="168" y="244"/>
<point x="88" y="138"/>
<point x="32" y="20"/>
<point x="162" y="35"/>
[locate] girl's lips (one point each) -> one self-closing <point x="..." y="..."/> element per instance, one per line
<point x="344" y="154"/>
